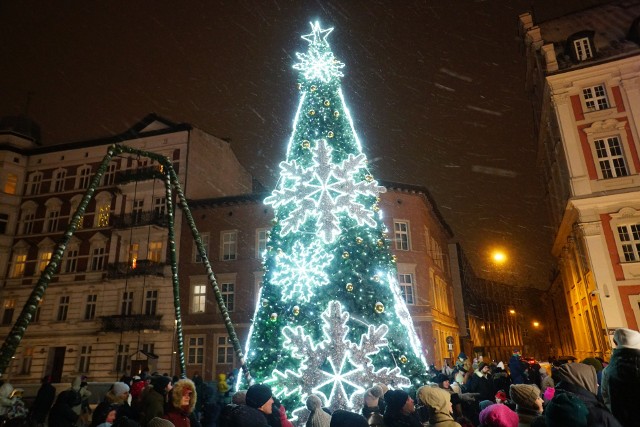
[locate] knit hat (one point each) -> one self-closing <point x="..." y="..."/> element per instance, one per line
<point x="395" y="400"/>
<point x="485" y="404"/>
<point x="440" y="378"/>
<point x="593" y="362"/>
<point x="525" y="395"/>
<point x="159" y="383"/>
<point x="160" y="422"/>
<point x="498" y="416"/>
<point x="500" y="365"/>
<point x="372" y="395"/>
<point x="481" y="365"/>
<point x="318" y="417"/>
<point x="516" y="351"/>
<point x="627" y="338"/>
<point x="258" y="395"/>
<point x="501" y="395"/>
<point x="342" y="418"/>
<point x="462" y="356"/>
<point x="566" y="409"/>
<point x="119" y="388"/>
<point x="548" y="394"/>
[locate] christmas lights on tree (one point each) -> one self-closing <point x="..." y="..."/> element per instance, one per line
<point x="330" y="319"/>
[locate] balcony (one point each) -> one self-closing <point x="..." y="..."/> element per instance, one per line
<point x="135" y="322"/>
<point x="142" y="174"/>
<point x="140" y="219"/>
<point x="143" y="267"/>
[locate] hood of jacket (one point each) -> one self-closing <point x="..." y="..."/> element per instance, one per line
<point x="178" y="390"/>
<point x="579" y="374"/>
<point x="436" y="398"/>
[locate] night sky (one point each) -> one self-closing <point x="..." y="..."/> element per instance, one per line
<point x="436" y="90"/>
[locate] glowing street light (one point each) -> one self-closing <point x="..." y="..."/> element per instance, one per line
<point x="499" y="257"/>
<point x="512" y="311"/>
<point x="536" y="324"/>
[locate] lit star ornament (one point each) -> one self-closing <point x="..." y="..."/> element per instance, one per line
<point x="318" y="62"/>
<point x="322" y="191"/>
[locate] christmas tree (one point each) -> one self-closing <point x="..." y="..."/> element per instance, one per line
<point x="330" y="319"/>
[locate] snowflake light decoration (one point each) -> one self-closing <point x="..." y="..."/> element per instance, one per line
<point x="302" y="270"/>
<point x="335" y="364"/>
<point x="319" y="62"/>
<point x="322" y="191"/>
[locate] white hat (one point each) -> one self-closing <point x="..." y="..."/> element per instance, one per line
<point x="627" y="338"/>
<point x="120" y="388"/>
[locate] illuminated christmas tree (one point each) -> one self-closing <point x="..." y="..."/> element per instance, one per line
<point x="330" y="319"/>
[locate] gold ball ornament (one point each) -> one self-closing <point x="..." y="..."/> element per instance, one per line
<point x="313" y="88"/>
<point x="376" y="208"/>
<point x="330" y="134"/>
<point x="368" y="178"/>
<point x="265" y="302"/>
<point x="376" y="278"/>
<point x="273" y="317"/>
<point x="349" y="287"/>
<point x="394" y="258"/>
<point x="379" y="308"/>
<point x="336" y="114"/>
<point x="306" y="144"/>
<point x="403" y="359"/>
<point x="359" y="240"/>
<point x="380" y="243"/>
<point x="345" y="255"/>
<point x="326" y="103"/>
<point x="312" y="112"/>
<point x="296" y="310"/>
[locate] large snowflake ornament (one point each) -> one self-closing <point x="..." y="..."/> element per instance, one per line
<point x="319" y="62"/>
<point x="322" y="191"/>
<point x="302" y="270"/>
<point x="336" y="369"/>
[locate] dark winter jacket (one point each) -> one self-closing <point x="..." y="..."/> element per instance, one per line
<point x="177" y="414"/>
<point x="244" y="416"/>
<point x="516" y="368"/>
<point x="43" y="401"/>
<point x="152" y="406"/>
<point x="62" y="414"/>
<point x="621" y="383"/>
<point x="111" y="401"/>
<point x="398" y="419"/>
<point x="481" y="384"/>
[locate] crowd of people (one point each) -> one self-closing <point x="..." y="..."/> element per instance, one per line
<point x="473" y="393"/>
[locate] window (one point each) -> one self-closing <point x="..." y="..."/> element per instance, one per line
<point x="84" y="360"/>
<point x="52" y="220"/>
<point x="90" y="308"/>
<point x="406" y="287"/>
<point x="137" y="211"/>
<point x="35" y="182"/>
<point x="98" y="256"/>
<point x="151" y="303"/>
<point x="4" y="223"/>
<point x="74" y="204"/>
<point x="262" y="236"/>
<point x="71" y="260"/>
<point x="19" y="264"/>
<point x="122" y="358"/>
<point x="195" y="353"/>
<point x="199" y="298"/>
<point x="63" y="308"/>
<point x="159" y="206"/>
<point x="583" y="48"/>
<point x="9" y="307"/>
<point x="36" y="317"/>
<point x="133" y="255"/>
<point x="629" y="236"/>
<point x="84" y="178"/>
<point x="11" y="184"/>
<point x="109" y="176"/>
<point x="224" y="350"/>
<point x="154" y="252"/>
<point x="126" y="304"/>
<point x="610" y="157"/>
<point x="27" y="360"/>
<point x="57" y="184"/>
<point x="102" y="215"/>
<point x="205" y="243"/>
<point x="228" y="295"/>
<point x="401" y="229"/>
<point x="28" y="218"/>
<point x="595" y="98"/>
<point x="148" y="348"/>
<point x="229" y="245"/>
<point x="43" y="259"/>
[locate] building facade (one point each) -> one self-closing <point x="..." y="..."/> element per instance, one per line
<point x="583" y="73"/>
<point x="109" y="309"/>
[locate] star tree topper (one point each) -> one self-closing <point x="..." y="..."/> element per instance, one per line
<point x="318" y="62"/>
<point x="322" y="191"/>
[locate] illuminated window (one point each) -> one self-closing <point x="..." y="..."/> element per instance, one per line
<point x="4" y="223"/>
<point x="583" y="49"/>
<point x="126" y="304"/>
<point x="611" y="157"/>
<point x="224" y="350"/>
<point x="75" y="203"/>
<point x="90" y="308"/>
<point x="11" y="184"/>
<point x="151" y="302"/>
<point x="133" y="255"/>
<point x="595" y="98"/>
<point x="57" y="184"/>
<point x="154" y="252"/>
<point x="229" y="245"/>
<point x="401" y="229"/>
<point x="122" y="358"/>
<point x="84" y="360"/>
<point x="199" y="298"/>
<point x="63" y="308"/>
<point x="406" y="287"/>
<point x="205" y="243"/>
<point x="35" y="183"/>
<point x="84" y="178"/>
<point x="103" y="214"/>
<point x="228" y="296"/>
<point x="262" y="236"/>
<point x="43" y="259"/>
<point x="19" y="264"/>
<point x="9" y="308"/>
<point x="195" y="351"/>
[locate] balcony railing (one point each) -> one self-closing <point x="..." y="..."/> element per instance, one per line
<point x="135" y="322"/>
<point x="142" y="174"/>
<point x="140" y="219"/>
<point x="142" y="267"/>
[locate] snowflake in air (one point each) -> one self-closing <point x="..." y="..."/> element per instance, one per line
<point x="301" y="271"/>
<point x="322" y="191"/>
<point x="336" y="369"/>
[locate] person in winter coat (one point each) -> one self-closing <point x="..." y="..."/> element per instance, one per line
<point x="62" y="413"/>
<point x="342" y="418"/>
<point x="373" y="408"/>
<point x="480" y="382"/>
<point x="621" y="378"/>
<point x="528" y="402"/>
<point x="210" y="407"/>
<point x="580" y="379"/>
<point x="116" y="398"/>
<point x="43" y="401"/>
<point x="440" y="408"/>
<point x="517" y="368"/>
<point x="182" y="402"/>
<point x="278" y="416"/>
<point x="400" y="410"/>
<point x="318" y="417"/>
<point x="566" y="409"/>
<point x="498" y="416"/>
<point x="6" y="402"/>
<point x="259" y="404"/>
<point x="223" y="388"/>
<point x="154" y="399"/>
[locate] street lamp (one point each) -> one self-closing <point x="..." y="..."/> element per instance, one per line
<point x="536" y="324"/>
